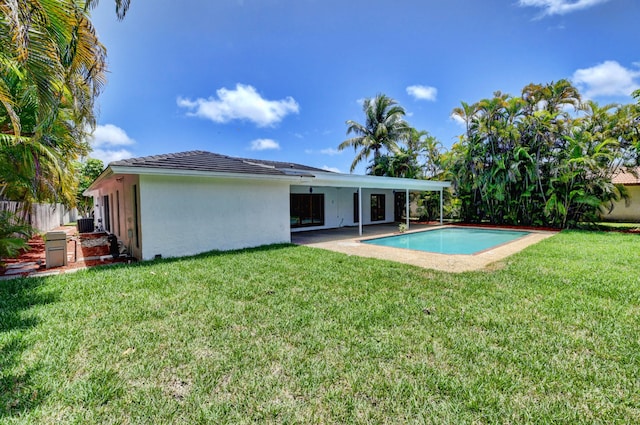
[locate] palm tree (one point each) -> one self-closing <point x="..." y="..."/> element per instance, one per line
<point x="52" y="50"/>
<point x="122" y="6"/>
<point x="425" y="148"/>
<point x="383" y="128"/>
<point x="53" y="69"/>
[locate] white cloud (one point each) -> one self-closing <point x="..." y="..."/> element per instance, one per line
<point x="107" y="143"/>
<point x="419" y="92"/>
<point x="330" y="151"/>
<point x="458" y="120"/>
<point x="561" y="7"/>
<point x="107" y="156"/>
<point x="606" y="79"/>
<point x="243" y="103"/>
<point x="326" y="151"/>
<point x="332" y="169"/>
<point x="264" y="144"/>
<point x="109" y="135"/>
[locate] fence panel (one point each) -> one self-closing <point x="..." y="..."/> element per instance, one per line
<point x="42" y="217"/>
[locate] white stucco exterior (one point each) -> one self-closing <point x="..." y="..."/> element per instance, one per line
<point x="190" y="215"/>
<point x="628" y="211"/>
<point x="184" y="209"/>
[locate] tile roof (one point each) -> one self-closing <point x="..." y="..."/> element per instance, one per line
<point x="213" y="162"/>
<point x="626" y="177"/>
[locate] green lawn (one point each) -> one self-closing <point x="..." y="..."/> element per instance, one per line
<point x="290" y="334"/>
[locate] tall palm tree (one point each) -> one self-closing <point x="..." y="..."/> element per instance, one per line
<point x="122" y="6"/>
<point x="424" y="150"/>
<point x="383" y="128"/>
<point x="51" y="49"/>
<point x="53" y="68"/>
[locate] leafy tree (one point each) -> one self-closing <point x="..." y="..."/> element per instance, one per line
<point x="383" y="128"/>
<point x="13" y="235"/>
<point x="527" y="160"/>
<point x="53" y="68"/>
<point x="427" y="150"/>
<point x="88" y="172"/>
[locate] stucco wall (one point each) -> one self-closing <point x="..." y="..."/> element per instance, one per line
<point x="122" y="220"/>
<point x="338" y="204"/>
<point x="622" y="211"/>
<point x="188" y="215"/>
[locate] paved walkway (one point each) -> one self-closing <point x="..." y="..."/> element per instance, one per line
<point x="32" y="262"/>
<point x="347" y="241"/>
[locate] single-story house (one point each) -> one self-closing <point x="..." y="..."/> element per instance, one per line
<point x="191" y="202"/>
<point x="626" y="210"/>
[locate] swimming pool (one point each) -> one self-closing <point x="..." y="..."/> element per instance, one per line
<point x="450" y="240"/>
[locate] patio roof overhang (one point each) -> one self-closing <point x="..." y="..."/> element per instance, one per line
<point x="292" y="176"/>
<point x="372" y="182"/>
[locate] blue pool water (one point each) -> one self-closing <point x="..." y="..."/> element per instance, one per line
<point x="453" y="240"/>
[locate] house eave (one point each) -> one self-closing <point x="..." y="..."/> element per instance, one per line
<point x="308" y="178"/>
<point x="107" y="173"/>
<point x="377" y="182"/>
<point x="199" y="173"/>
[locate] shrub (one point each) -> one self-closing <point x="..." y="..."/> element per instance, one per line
<point x="13" y="235"/>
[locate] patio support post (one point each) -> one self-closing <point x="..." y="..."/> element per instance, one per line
<point x="441" y="208"/>
<point x="406" y="197"/>
<point x="360" y="211"/>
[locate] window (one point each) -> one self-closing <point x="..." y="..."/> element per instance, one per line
<point x="399" y="205"/>
<point x="356" y="208"/>
<point x="307" y="209"/>
<point x="377" y="207"/>
<point x="107" y="216"/>
<point x="111" y="225"/>
<point x="118" y="212"/>
<point x="135" y="214"/>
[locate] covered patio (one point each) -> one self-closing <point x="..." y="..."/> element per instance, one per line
<point x="348" y="200"/>
<point x="353" y="232"/>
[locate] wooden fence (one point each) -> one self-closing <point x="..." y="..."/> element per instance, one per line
<point x="42" y="217"/>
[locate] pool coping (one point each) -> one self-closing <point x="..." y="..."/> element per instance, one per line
<point x="454" y="263"/>
<point x="433" y="229"/>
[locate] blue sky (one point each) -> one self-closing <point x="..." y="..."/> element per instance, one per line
<point x="277" y="79"/>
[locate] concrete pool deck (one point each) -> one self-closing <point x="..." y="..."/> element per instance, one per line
<point x="347" y="241"/>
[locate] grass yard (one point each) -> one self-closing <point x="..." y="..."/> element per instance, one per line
<point x="289" y="334"/>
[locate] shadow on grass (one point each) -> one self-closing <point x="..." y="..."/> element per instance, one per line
<point x="204" y="255"/>
<point x="18" y="392"/>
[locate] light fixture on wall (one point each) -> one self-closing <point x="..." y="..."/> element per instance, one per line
<point x="310" y="189"/>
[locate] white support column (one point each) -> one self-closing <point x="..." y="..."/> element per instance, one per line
<point x="360" y="211"/>
<point x="441" y="208"/>
<point x="407" y="207"/>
